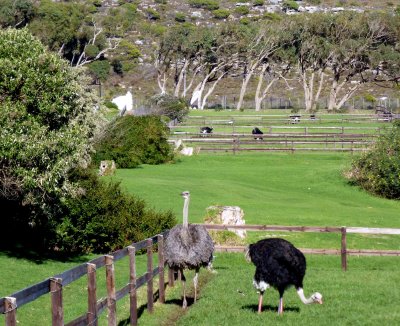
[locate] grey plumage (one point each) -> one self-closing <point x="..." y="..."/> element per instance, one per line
<point x="188" y="246"/>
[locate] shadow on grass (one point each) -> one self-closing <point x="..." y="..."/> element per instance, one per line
<point x="254" y="308"/>
<point x="40" y="257"/>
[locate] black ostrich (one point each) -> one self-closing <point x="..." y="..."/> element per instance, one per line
<point x="188" y="246"/>
<point x="279" y="264"/>
<point x="257" y="131"/>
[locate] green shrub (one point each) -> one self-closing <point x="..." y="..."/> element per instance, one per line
<point x="378" y="170"/>
<point x="257" y="3"/>
<point x="103" y="218"/>
<point x="180" y="17"/>
<point x="205" y="4"/>
<point x="131" y="141"/>
<point x="100" y="69"/>
<point x="152" y="14"/>
<point x="242" y="10"/>
<point x="290" y="5"/>
<point x="169" y="106"/>
<point x="221" y="13"/>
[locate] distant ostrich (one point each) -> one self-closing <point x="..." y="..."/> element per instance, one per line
<point x="279" y="264"/>
<point x="206" y="130"/>
<point x="257" y="131"/>
<point x="188" y="246"/>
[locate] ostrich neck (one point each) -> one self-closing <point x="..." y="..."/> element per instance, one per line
<point x="186" y="213"/>
<point x="303" y="298"/>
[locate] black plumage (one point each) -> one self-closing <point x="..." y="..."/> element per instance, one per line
<point x="280" y="265"/>
<point x="257" y="131"/>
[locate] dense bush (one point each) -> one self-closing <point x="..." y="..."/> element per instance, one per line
<point x="378" y="170"/>
<point x="169" y="106"/>
<point x="205" y="4"/>
<point x="46" y="125"/>
<point x="131" y="141"/>
<point x="221" y="13"/>
<point x="104" y="218"/>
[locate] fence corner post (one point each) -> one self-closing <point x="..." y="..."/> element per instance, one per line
<point x="343" y="250"/>
<point x="10" y="308"/>
<point x="56" y="301"/>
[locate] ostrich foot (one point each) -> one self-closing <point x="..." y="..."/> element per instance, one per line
<point x="184" y="304"/>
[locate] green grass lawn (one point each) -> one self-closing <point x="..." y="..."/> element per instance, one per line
<point x="278" y="189"/>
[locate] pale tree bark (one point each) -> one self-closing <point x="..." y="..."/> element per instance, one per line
<point x="162" y="79"/>
<point x="210" y="90"/>
<point x="260" y="95"/>
<point x="253" y="65"/>
<point x="181" y="76"/>
<point x="112" y="45"/>
<point x="336" y="101"/>
<point x="312" y="84"/>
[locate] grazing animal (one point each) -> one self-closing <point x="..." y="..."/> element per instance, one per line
<point x="206" y="130"/>
<point x="188" y="246"/>
<point x="279" y="264"/>
<point x="257" y="131"/>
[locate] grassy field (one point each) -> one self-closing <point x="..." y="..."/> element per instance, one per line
<point x="275" y="189"/>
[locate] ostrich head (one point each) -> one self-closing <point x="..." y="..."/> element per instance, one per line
<point x="317" y="297"/>
<point x="186" y="196"/>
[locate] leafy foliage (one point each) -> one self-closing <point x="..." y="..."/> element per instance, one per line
<point x="205" y="4"/>
<point x="169" y="106"/>
<point x="104" y="218"/>
<point x="46" y="119"/>
<point x="378" y="170"/>
<point x="131" y="141"/>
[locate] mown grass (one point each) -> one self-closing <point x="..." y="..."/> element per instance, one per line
<point x="278" y="189"/>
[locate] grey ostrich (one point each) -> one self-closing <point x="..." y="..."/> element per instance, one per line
<point x="188" y="246"/>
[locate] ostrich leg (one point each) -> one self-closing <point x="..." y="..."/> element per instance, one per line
<point x="183" y="279"/>
<point x="280" y="307"/>
<point x="195" y="282"/>
<point x="260" y="300"/>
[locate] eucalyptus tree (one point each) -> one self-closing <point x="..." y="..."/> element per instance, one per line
<point x="364" y="46"/>
<point x="278" y="63"/>
<point x="218" y="56"/>
<point x="336" y="54"/>
<point x="177" y="58"/>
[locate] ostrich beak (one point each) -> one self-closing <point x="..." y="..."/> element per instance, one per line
<point x="319" y="301"/>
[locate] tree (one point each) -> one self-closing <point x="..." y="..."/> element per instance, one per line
<point x="47" y="119"/>
<point x="15" y="13"/>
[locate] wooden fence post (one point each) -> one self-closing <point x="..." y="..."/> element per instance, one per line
<point x="111" y="298"/>
<point x="10" y="310"/>
<point x="132" y="283"/>
<point x="150" y="275"/>
<point x="343" y="250"/>
<point x="92" y="299"/>
<point x="161" y="263"/>
<point x="56" y="301"/>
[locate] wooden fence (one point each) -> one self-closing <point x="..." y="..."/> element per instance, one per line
<point x="343" y="251"/>
<point x="237" y="142"/>
<point x="55" y="284"/>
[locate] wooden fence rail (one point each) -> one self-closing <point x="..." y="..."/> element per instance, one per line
<point x="54" y="285"/>
<point x="344" y="251"/>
